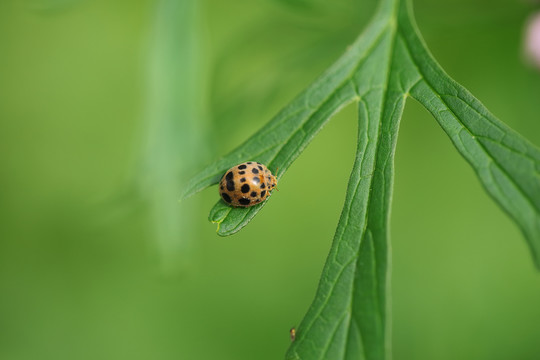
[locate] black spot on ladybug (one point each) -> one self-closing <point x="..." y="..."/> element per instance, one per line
<point x="230" y="185"/>
<point x="256" y="180"/>
<point x="245" y="188"/>
<point x="226" y="197"/>
<point x="253" y="193"/>
<point x="258" y="200"/>
<point x="260" y="167"/>
<point x="249" y="162"/>
<point x="263" y="185"/>
<point x="241" y="172"/>
<point x="242" y="167"/>
<point x="221" y="187"/>
<point x="229" y="175"/>
<point x="259" y="163"/>
<point x="255" y="171"/>
<point x="263" y="193"/>
<point x="244" y="201"/>
<point x="243" y="180"/>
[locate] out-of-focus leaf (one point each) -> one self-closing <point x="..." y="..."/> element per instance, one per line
<point x="175" y="126"/>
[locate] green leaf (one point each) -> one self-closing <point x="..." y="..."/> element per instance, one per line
<point x="507" y="165"/>
<point x="280" y="142"/>
<point x="349" y="316"/>
<point x="174" y="87"/>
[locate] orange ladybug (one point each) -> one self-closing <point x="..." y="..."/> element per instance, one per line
<point x="247" y="184"/>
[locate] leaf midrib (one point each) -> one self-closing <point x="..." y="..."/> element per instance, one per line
<point x="384" y="101"/>
<point x="356" y="258"/>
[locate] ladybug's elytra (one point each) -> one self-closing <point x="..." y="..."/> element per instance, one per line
<point x="247" y="184"/>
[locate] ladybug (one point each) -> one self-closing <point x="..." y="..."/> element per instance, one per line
<point x="247" y="184"/>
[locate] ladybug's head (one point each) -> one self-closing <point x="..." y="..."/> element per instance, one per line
<point x="272" y="182"/>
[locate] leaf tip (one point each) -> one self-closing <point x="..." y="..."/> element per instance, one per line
<point x="218" y="223"/>
<point x="218" y="214"/>
<point x="186" y="193"/>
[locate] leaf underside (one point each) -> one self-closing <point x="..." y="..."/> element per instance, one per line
<point x="348" y="318"/>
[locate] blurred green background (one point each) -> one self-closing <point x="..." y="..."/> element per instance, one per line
<point x="107" y="106"/>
